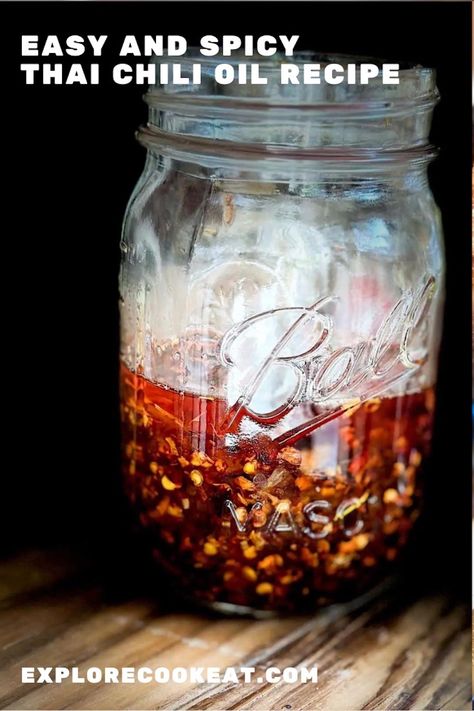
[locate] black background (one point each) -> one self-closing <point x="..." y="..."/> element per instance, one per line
<point x="69" y="163"/>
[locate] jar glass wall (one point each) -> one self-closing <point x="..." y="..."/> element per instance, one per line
<point x="281" y="294"/>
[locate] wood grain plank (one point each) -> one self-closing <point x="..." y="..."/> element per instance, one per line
<point x="460" y="700"/>
<point x="391" y="652"/>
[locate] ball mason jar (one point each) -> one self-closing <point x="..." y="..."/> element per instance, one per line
<point x="281" y="296"/>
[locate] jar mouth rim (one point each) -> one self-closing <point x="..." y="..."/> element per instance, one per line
<point x="213" y="104"/>
<point x="296" y="116"/>
<point x="416" y="87"/>
<point x="300" y="57"/>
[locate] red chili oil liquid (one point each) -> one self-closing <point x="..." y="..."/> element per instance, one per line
<point x="243" y="520"/>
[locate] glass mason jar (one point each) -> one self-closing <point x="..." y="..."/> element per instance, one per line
<point x="281" y="297"/>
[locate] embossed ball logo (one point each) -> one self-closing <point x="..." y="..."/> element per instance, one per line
<point x="316" y="370"/>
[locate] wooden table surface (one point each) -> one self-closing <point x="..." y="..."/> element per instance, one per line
<point x="395" y="651"/>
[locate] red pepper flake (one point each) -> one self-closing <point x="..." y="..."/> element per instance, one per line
<point x="291" y="456"/>
<point x="301" y="529"/>
<point x="304" y="482"/>
<point x="270" y="563"/>
<point x="244" y="483"/>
